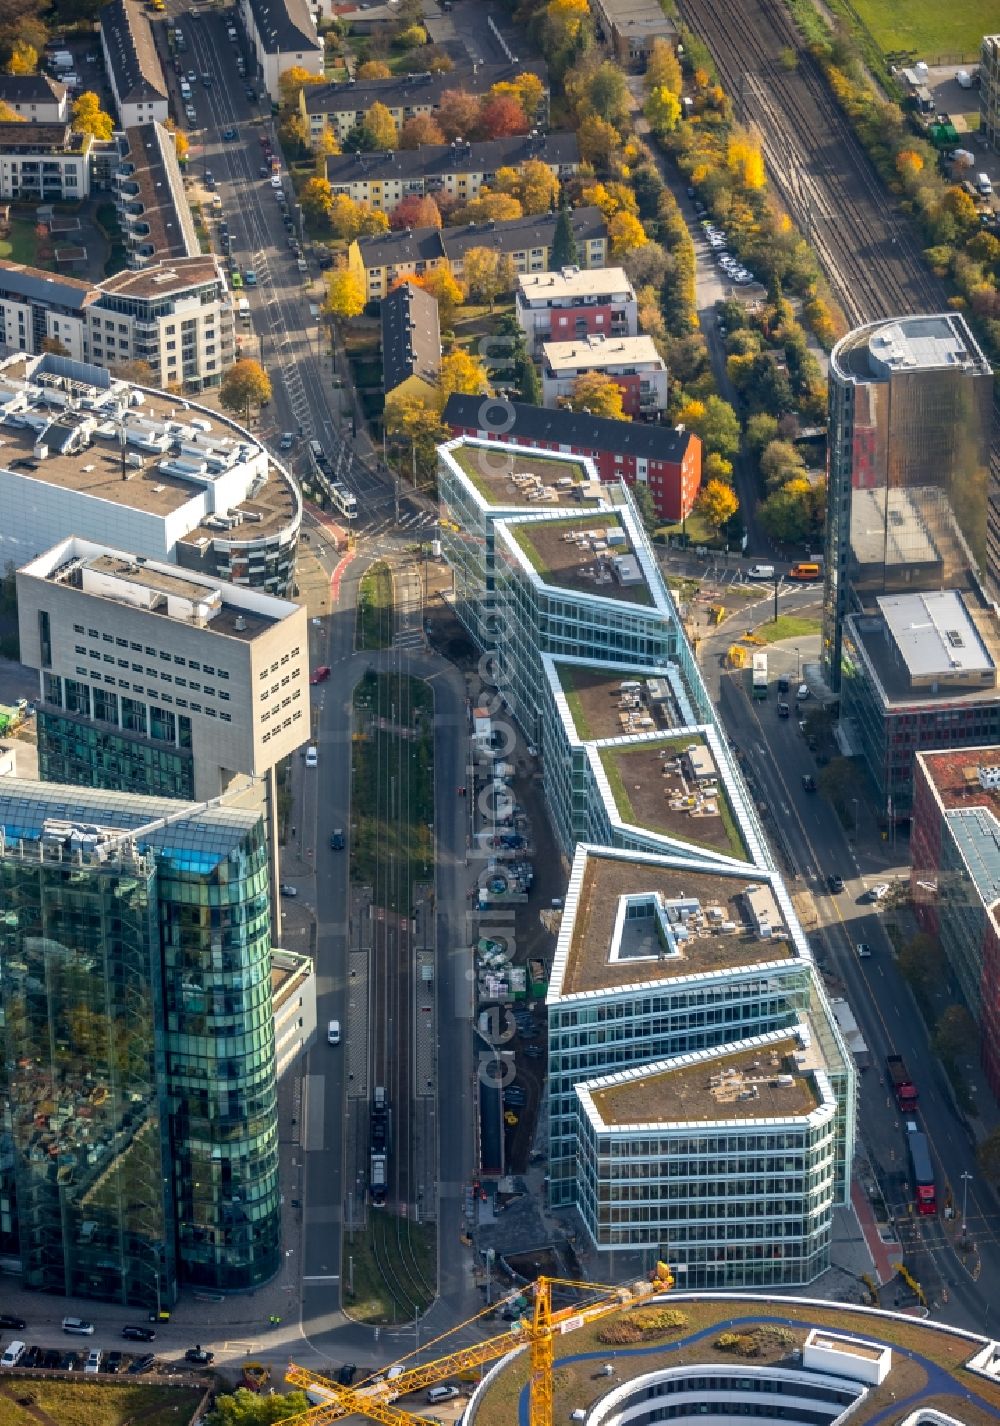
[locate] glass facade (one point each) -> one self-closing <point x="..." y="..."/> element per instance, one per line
<point x="138" y="1046"/>
<point x="910" y="407"/>
<point x="83" y="1079"/>
<point x="95" y="755"/>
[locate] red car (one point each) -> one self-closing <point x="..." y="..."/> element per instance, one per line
<point x="319" y="675"/>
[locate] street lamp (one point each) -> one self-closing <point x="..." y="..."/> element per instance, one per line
<point x="966" y="1180"/>
<point x="855" y="801"/>
<point x="798" y="665"/>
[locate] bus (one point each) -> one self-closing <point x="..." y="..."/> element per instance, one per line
<point x="760" y="675"/>
<point x="344" y="501"/>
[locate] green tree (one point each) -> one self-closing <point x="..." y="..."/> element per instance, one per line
<point x="840" y="782"/>
<point x="955" y="1033"/>
<point x="988" y="1156"/>
<point x="607" y="94"/>
<point x="663" y="110"/>
<point x="90" y="118"/>
<point x="717" y="503"/>
<point x="248" y="1408"/>
<point x="780" y="462"/>
<point x="715" y="421"/>
<point x="564" y="249"/>
<point x="345" y="294"/>
<point x="788" y="514"/>
<point x="762" y="429"/>
<point x="648" y="265"/>
<point x="921" y="962"/>
<point x="486" y="273"/>
<point x="245" y="384"/>
<point x="596" y="393"/>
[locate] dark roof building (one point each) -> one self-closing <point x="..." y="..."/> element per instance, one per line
<point x="282" y="36"/>
<point x="433" y="166"/>
<point x="37" y="97"/>
<point x="381" y="261"/>
<point x="666" y="459"/>
<point x="411" y="337"/>
<point x="133" y="65"/>
<point x="407" y="94"/>
<point x="32" y="284"/>
<point x="152" y="208"/>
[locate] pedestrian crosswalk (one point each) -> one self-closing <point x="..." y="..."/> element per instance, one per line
<point x="408" y="639"/>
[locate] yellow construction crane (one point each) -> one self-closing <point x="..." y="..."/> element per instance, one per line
<point x="374" y="1398"/>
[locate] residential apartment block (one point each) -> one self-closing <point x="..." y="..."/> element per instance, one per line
<point x="44" y="163"/>
<point x="157" y="681"/>
<point x="283" y="36"/>
<point x="87" y="454"/>
<point x="380" y="262"/>
<point x="177" y="318"/>
<point x="677" y="934"/>
<point x="571" y="305"/>
<point x="955" y="881"/>
<point x="341" y="107"/>
<point x="36" y="97"/>
<point x="411" y="342"/>
<point x="133" y="66"/>
<point x="989" y="90"/>
<point x="633" y="363"/>
<point x="458" y="170"/>
<point x="148" y="188"/>
<point x="139" y="1075"/>
<point x="666" y="460"/>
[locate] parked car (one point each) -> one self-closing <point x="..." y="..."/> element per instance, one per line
<point x="199" y="1356"/>
<point x="131" y="1333"/>
<point x="287" y="890"/>
<point x="835" y="882"/>
<point x="250" y="277"/>
<point x="141" y="1364"/>
<point x="50" y="1359"/>
<point x="93" y="1363"/>
<point x="113" y="1363"/>
<point x="7" y="1319"/>
<point x="77" y="1327"/>
<point x="32" y="1357"/>
<point x="347" y="1373"/>
<point x="69" y="1362"/>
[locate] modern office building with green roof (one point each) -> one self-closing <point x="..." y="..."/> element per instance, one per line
<point x="138" y="1069"/>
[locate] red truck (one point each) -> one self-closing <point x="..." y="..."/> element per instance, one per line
<point x="903" y="1086"/>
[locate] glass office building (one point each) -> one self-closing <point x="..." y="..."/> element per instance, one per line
<point x="908" y="508"/>
<point x="138" y="1065"/>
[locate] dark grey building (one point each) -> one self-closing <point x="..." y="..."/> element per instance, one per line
<point x="910" y="405"/>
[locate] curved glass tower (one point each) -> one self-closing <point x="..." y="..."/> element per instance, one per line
<point x="138" y="1069"/>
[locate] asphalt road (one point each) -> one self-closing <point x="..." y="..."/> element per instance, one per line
<point x="286" y="338"/>
<point x="326" y="805"/>
<point x="776" y="756"/>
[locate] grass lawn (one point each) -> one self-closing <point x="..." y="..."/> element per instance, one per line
<point x="77" y="1403"/>
<point x="21" y="245"/>
<point x="925" y="26"/>
<point x="615" y="764"/>
<point x="410" y="1251"/>
<point x="374" y="626"/>
<point x="787" y="626"/>
<point x="699" y="532"/>
<point x="392" y="787"/>
<point x="574" y="703"/>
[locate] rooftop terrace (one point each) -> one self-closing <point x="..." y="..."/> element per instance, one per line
<point x="594" y="962"/>
<point x="585" y="555"/>
<point x="661" y="786"/>
<point x="955" y="775"/>
<point x="521" y="478"/>
<point x="927" y="1371"/>
<point x="768" y="1082"/>
<point x="610" y="705"/>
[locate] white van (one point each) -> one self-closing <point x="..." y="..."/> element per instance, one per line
<point x="62" y="59"/>
<point x="333" y="1033"/>
<point x="760" y="571"/>
<point x="94" y="1359"/>
<point x="441" y="1393"/>
<point x="963" y="79"/>
<point x="983" y="184"/>
<point x="13" y="1354"/>
<point x="312" y="756"/>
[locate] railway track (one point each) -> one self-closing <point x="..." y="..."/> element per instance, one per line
<point x="869" y="250"/>
<point x="823" y="175"/>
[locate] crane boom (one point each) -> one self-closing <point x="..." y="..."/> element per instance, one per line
<point x="374" y="1399"/>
